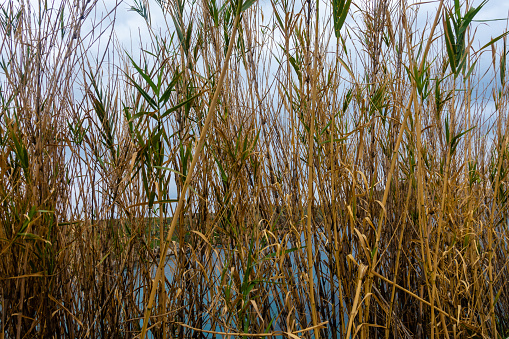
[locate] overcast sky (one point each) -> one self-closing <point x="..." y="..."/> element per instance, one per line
<point x="129" y="22"/>
<point x="129" y="25"/>
<point x="131" y="30"/>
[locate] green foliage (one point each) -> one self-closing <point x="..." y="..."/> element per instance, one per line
<point x="340" y="11"/>
<point x="455" y="27"/>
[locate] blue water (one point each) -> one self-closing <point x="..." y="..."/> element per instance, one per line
<point x="219" y="261"/>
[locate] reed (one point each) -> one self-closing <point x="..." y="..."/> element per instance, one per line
<point x="280" y="169"/>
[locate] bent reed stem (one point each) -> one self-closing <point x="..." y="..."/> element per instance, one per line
<point x="180" y="205"/>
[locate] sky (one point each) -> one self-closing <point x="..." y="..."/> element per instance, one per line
<point x="130" y="29"/>
<point x="130" y="24"/>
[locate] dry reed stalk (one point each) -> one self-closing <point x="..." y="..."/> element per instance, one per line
<point x="199" y="147"/>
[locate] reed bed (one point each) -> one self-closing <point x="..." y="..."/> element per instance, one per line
<point x="255" y="169"/>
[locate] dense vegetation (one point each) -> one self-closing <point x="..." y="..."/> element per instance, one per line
<point x="317" y="169"/>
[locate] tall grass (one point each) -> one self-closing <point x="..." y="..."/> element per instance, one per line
<point x="257" y="169"/>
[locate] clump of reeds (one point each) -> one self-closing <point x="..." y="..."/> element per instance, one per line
<point x="317" y="169"/>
